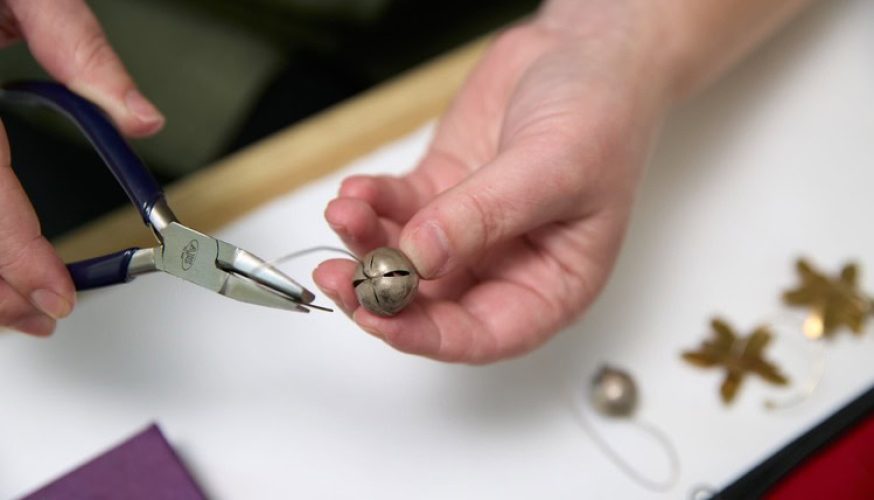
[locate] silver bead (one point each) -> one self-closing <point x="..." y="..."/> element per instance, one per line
<point x="614" y="393"/>
<point x="385" y="281"/>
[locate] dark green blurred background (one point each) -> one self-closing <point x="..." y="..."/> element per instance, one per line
<point x="227" y="73"/>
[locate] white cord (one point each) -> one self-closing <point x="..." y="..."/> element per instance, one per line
<point x="815" y="375"/>
<point x="306" y="251"/>
<point x="620" y="462"/>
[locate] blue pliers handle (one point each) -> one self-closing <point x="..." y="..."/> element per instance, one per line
<point x="183" y="252"/>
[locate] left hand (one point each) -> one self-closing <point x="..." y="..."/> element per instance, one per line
<point x="65" y="38"/>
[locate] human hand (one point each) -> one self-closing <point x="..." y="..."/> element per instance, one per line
<point x="516" y="213"/>
<point x="66" y="39"/>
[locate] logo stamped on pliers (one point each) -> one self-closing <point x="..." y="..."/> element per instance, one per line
<point x="189" y="254"/>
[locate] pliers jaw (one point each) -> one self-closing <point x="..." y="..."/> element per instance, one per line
<point x="227" y="269"/>
<point x="233" y="272"/>
<point x="242" y="263"/>
<point x="248" y="290"/>
<point x="250" y="279"/>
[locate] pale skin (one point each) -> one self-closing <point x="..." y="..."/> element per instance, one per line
<point x="516" y="212"/>
<point x="66" y="39"/>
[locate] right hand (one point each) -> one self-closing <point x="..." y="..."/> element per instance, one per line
<point x="67" y="40"/>
<point x="516" y="213"/>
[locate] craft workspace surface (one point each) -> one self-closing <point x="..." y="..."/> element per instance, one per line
<point x="771" y="164"/>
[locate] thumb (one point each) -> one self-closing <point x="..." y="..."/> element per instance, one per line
<point x="522" y="189"/>
<point x="66" y="39"/>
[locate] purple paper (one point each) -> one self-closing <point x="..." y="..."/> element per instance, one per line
<point x="144" y="467"/>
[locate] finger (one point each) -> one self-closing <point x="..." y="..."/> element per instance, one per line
<point x="462" y="331"/>
<point x="399" y="198"/>
<point x="358" y="225"/>
<point x="494" y="320"/>
<point x="334" y="278"/>
<point x="506" y="198"/>
<point x="395" y="198"/>
<point x="18" y="314"/>
<point x="28" y="262"/>
<point x="67" y="40"/>
<point x="9" y="32"/>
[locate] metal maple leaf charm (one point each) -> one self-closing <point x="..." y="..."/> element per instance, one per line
<point x="739" y="356"/>
<point x="832" y="302"/>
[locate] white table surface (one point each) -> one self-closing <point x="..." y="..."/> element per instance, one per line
<point x="772" y="163"/>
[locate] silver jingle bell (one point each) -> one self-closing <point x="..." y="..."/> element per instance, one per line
<point x="385" y="281"/>
<point x="614" y="393"/>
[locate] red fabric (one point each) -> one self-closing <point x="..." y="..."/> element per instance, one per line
<point x="842" y="470"/>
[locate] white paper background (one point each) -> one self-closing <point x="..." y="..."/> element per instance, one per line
<point x="772" y="163"/>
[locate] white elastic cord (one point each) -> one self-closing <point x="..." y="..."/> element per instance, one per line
<point x="620" y="462"/>
<point x="307" y="251"/>
<point x="814" y="376"/>
<point x="301" y="253"/>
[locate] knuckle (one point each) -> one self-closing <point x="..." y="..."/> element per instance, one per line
<point x="511" y="38"/>
<point x="18" y="256"/>
<point x="569" y="170"/>
<point x="9" y="30"/>
<point x="440" y="170"/>
<point x="9" y="317"/>
<point x="403" y="343"/>
<point x="508" y="38"/>
<point x="564" y="179"/>
<point x="13" y="308"/>
<point x="348" y="184"/>
<point x="9" y="322"/>
<point x="358" y="186"/>
<point x="481" y="213"/>
<point x="90" y="52"/>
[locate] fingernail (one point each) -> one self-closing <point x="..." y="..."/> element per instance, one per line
<point x="35" y="324"/>
<point x="142" y="108"/>
<point x="51" y="303"/>
<point x="428" y="249"/>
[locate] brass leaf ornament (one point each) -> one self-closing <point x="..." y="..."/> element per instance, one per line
<point x="738" y="356"/>
<point x="832" y="302"/>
